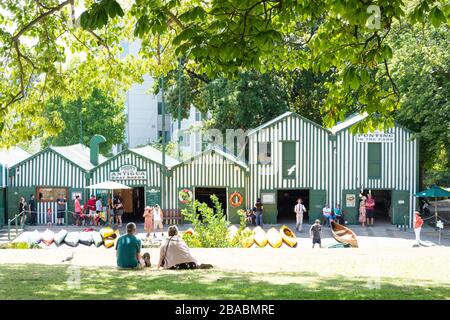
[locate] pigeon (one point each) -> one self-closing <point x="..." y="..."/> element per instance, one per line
<point x="68" y="258"/>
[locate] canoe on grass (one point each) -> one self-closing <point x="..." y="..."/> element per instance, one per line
<point x="343" y="234"/>
<point x="48" y="236"/>
<point x="72" y="239"/>
<point x="60" y="236"/>
<point x="288" y="236"/>
<point x="274" y="238"/>
<point x="109" y="242"/>
<point x="106" y="232"/>
<point x="247" y="241"/>
<point x="86" y="238"/>
<point x="260" y="237"/>
<point x="97" y="238"/>
<point x="34" y="237"/>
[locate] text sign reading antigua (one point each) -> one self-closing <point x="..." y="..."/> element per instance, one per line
<point x="375" y="137"/>
<point x="128" y="172"/>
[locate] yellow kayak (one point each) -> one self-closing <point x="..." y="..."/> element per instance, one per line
<point x="106" y="232"/>
<point x="260" y="237"/>
<point x="249" y="240"/>
<point x="274" y="238"/>
<point x="288" y="236"/>
<point x="109" y="243"/>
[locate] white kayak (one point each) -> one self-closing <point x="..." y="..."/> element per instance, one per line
<point x="72" y="239"/>
<point x="60" y="236"/>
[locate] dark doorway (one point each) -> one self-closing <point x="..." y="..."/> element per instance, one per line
<point x="203" y="195"/>
<point x="286" y="201"/>
<point x="133" y="203"/>
<point x="383" y="200"/>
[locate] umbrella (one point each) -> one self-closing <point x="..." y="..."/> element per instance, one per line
<point x="434" y="192"/>
<point x="108" y="185"/>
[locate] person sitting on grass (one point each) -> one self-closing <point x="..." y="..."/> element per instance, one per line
<point x="175" y="254"/>
<point x="128" y="249"/>
<point x="315" y="233"/>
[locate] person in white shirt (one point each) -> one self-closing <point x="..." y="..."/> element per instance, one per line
<point x="326" y="212"/>
<point x="299" y="211"/>
<point x="158" y="219"/>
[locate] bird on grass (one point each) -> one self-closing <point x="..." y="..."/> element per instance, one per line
<point x="68" y="258"/>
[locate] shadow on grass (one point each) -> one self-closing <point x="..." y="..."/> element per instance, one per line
<point x="36" y="281"/>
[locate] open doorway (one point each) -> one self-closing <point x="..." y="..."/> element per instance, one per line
<point x="133" y="204"/>
<point x="286" y="201"/>
<point x="204" y="195"/>
<point x="383" y="200"/>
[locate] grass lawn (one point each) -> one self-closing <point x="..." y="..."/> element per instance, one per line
<point x="34" y="281"/>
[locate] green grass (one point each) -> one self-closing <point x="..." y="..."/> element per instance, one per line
<point x="50" y="282"/>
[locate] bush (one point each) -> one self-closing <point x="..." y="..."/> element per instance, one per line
<point x="211" y="226"/>
<point x="19" y="245"/>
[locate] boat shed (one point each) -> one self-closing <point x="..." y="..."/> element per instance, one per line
<point x="140" y="169"/>
<point x="49" y="174"/>
<point x="291" y="157"/>
<point x="8" y="158"/>
<point x="213" y="171"/>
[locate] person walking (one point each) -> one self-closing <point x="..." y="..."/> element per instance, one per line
<point x="418" y="223"/>
<point x="315" y="233"/>
<point x="370" y="209"/>
<point x="259" y="212"/>
<point x="362" y="210"/>
<point x="158" y="219"/>
<point x="148" y="220"/>
<point x="22" y="208"/>
<point x="118" y="206"/>
<point x="299" y="210"/>
<point x="77" y="209"/>
<point x="32" y="209"/>
<point x="61" y="209"/>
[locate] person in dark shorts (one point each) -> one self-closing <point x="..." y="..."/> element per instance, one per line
<point x="32" y="208"/>
<point x="61" y="209"/>
<point x="259" y="212"/>
<point x="315" y="233"/>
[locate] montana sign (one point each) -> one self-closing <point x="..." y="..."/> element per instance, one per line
<point x="128" y="172"/>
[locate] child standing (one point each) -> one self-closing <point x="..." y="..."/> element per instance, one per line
<point x="315" y="233"/>
<point x="418" y="223"/>
<point x="49" y="217"/>
<point x="148" y="220"/>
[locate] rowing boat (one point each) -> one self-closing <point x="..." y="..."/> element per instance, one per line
<point x="288" y="236"/>
<point x="343" y="234"/>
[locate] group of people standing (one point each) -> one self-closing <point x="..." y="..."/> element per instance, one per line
<point x="153" y="219"/>
<point x="92" y="212"/>
<point x="29" y="210"/>
<point x="366" y="209"/>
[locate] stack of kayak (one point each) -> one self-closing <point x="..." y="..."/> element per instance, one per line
<point x="273" y="237"/>
<point x="87" y="237"/>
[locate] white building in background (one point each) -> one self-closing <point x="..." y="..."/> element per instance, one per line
<point x="144" y="119"/>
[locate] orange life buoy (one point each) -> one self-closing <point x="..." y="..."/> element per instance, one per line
<point x="233" y="199"/>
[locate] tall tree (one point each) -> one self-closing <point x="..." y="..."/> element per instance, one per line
<point x="83" y="118"/>
<point x="421" y="69"/>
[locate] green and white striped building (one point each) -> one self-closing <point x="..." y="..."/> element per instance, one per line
<point x="49" y="173"/>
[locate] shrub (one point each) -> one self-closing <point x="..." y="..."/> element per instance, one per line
<point x="19" y="245"/>
<point x="211" y="226"/>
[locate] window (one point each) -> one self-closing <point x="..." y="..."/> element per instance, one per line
<point x="50" y="194"/>
<point x="186" y="139"/>
<point x="167" y="135"/>
<point x="288" y="160"/>
<point x="264" y="152"/>
<point x="159" y="108"/>
<point x="374" y="160"/>
<point x="198" y="115"/>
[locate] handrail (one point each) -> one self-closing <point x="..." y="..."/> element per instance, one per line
<point x="22" y="222"/>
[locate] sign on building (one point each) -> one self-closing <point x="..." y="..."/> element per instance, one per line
<point x="375" y="137"/>
<point x="127" y="172"/>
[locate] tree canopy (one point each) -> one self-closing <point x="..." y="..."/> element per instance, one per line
<point x="344" y="39"/>
<point x="83" y="118"/>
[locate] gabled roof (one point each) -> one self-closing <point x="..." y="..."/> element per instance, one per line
<point x="155" y="155"/>
<point x="281" y="117"/>
<point x="10" y="157"/>
<point x="226" y="155"/>
<point x="348" y="122"/>
<point x="78" y="154"/>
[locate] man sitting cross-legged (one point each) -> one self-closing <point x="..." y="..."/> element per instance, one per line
<point x="128" y="248"/>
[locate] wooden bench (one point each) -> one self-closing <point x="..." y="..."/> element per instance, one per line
<point x="173" y="216"/>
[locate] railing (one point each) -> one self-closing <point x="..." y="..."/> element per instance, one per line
<point x="16" y="222"/>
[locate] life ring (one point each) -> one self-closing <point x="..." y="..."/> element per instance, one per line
<point x="240" y="199"/>
<point x="185" y="195"/>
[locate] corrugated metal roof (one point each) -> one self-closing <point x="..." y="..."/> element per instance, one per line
<point x="348" y="122"/>
<point x="227" y="155"/>
<point x="269" y="123"/>
<point x="155" y="155"/>
<point x="78" y="154"/>
<point x="12" y="156"/>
